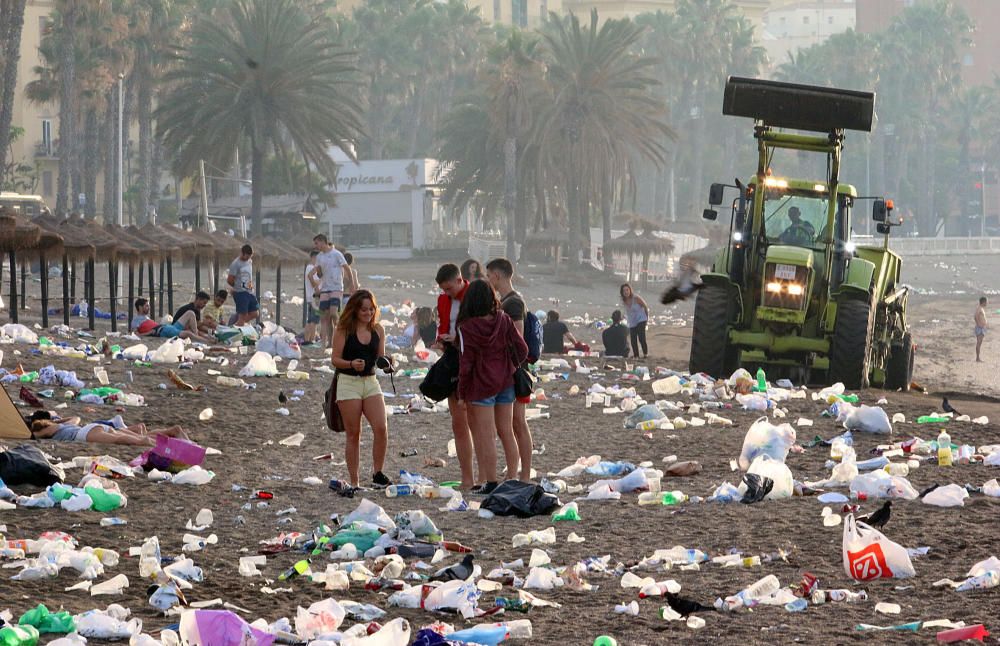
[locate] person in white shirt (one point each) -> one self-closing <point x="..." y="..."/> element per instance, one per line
<point x="331" y="267"/>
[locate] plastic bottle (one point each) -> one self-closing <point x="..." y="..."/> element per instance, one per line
<point x="797" y="606"/>
<point x="605" y="640"/>
<point x="761" y="589"/>
<point x="299" y="568"/>
<point x="519" y="629"/>
<point x="944" y="449"/>
<point x="396" y="490"/>
<point x="990" y="579"/>
<point x="513" y="605"/>
<point x="761" y="386"/>
<point x="18" y="636"/>
<point x="933" y="419"/>
<point x="485" y="634"/>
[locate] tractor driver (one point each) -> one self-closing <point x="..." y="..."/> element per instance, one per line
<point x="799" y="232"/>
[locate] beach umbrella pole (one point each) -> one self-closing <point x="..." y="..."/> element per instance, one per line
<point x="72" y="282"/>
<point x="24" y="285"/>
<point x="277" y="293"/>
<point x="113" y="280"/>
<point x="65" y="283"/>
<point x="92" y="300"/>
<point x="141" y="266"/>
<point x="13" y="286"/>
<point x="131" y="293"/>
<point x="215" y="275"/>
<point x="163" y="267"/>
<point x="197" y="273"/>
<point x="149" y="276"/>
<point x="43" y="267"/>
<point x="170" y="284"/>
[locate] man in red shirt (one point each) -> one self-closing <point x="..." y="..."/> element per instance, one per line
<point x="453" y="287"/>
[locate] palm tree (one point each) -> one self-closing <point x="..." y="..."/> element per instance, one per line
<point x="11" y="24"/>
<point x="601" y="111"/>
<point x="266" y="72"/>
<point x="514" y="90"/>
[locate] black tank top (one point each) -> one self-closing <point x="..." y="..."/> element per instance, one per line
<point x="354" y="349"/>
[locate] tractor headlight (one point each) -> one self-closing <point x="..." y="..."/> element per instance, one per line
<point x="774" y="287"/>
<point x="738" y="236"/>
<point x="849" y="247"/>
<point x="794" y="289"/>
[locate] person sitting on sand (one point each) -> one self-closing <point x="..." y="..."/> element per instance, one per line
<point x="196" y="306"/>
<point x="44" y="427"/>
<point x="186" y="327"/>
<point x="553" y="332"/>
<point x="213" y="314"/>
<point x="615" y="337"/>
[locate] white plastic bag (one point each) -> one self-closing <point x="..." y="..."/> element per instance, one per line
<point x="135" y="352"/>
<point x="369" y="512"/>
<point x="879" y="484"/>
<point x="870" y="419"/>
<point x="460" y="596"/>
<point x="261" y="364"/>
<point x="320" y="618"/>
<point x="868" y="554"/>
<point x="767" y="467"/>
<point x="395" y="632"/>
<point x="19" y="333"/>
<point x="169" y="352"/>
<point x="764" y="438"/>
<point x="951" y="495"/>
<point x="193" y="476"/>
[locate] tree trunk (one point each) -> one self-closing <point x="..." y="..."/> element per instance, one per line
<point x="144" y="109"/>
<point x="257" y="187"/>
<point x="91" y="157"/>
<point x="67" y="108"/>
<point x="154" y="177"/>
<point x="510" y="186"/>
<point x="11" y="25"/>
<point x="109" y="139"/>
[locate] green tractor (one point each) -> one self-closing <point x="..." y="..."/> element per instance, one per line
<point x="791" y="292"/>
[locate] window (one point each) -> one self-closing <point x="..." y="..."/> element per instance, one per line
<point x="519" y="13"/>
<point x="782" y="20"/>
<point x="496" y="10"/>
<point x="805" y="20"/>
<point x="43" y="26"/>
<point x="829" y="20"/>
<point x="46" y="137"/>
<point x="360" y="236"/>
<point x="47" y="183"/>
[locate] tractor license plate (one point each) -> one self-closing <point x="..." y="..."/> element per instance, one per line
<point x="784" y="272"/>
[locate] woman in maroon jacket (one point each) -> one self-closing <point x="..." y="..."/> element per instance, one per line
<point x="491" y="350"/>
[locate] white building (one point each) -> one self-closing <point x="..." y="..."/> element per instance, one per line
<point x="799" y="24"/>
<point x="385" y="208"/>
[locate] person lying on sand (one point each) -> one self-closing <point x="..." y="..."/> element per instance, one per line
<point x="110" y="432"/>
<point x="186" y="327"/>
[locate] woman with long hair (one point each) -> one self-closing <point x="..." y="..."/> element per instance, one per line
<point x="636" y="314"/>
<point x="358" y="343"/>
<point x="491" y="350"/>
<point x="471" y="270"/>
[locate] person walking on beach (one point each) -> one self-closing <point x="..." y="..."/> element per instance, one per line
<point x="636" y="314"/>
<point x="358" y="343"/>
<point x="330" y="268"/>
<point x="500" y="273"/>
<point x="453" y="289"/>
<point x="491" y="350"/>
<point x="981" y="326"/>
<point x="240" y="279"/>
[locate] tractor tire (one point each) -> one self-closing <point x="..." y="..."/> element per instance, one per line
<point x="899" y="367"/>
<point x="710" y="350"/>
<point x="850" y="350"/>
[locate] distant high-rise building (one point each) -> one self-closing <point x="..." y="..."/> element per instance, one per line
<point x="980" y="60"/>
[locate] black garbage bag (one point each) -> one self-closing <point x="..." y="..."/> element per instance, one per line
<point x="521" y="499"/>
<point x="757" y="488"/>
<point x="441" y="379"/>
<point x="26" y="464"/>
